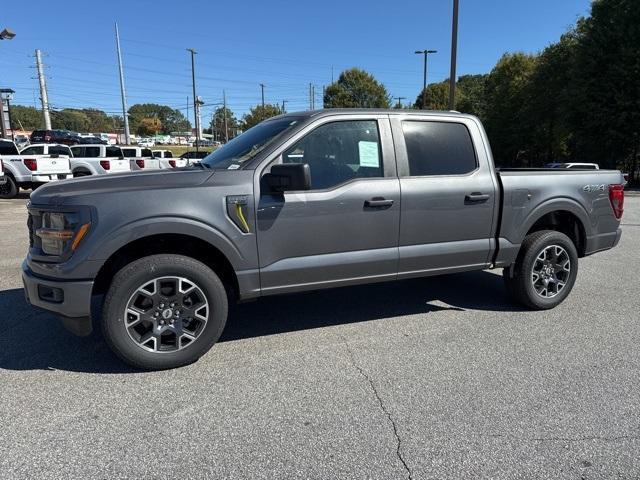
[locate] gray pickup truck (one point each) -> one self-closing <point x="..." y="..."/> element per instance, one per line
<point x="305" y="201"/>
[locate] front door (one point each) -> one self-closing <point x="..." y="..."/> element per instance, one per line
<point x="345" y="229"/>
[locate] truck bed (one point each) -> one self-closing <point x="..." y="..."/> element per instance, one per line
<point x="529" y="193"/>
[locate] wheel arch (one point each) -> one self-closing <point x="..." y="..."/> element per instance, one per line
<point x="564" y="217"/>
<point x="169" y="243"/>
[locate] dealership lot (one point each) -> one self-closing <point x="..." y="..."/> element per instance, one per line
<point x="438" y="377"/>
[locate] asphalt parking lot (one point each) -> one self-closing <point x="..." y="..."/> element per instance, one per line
<point x="429" y="378"/>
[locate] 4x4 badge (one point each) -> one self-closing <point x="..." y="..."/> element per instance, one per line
<point x="593" y="188"/>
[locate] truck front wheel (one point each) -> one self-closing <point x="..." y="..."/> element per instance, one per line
<point x="9" y="189"/>
<point x="164" y="311"/>
<point x="545" y="270"/>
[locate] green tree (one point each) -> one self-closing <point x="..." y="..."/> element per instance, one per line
<point x="258" y="114"/>
<point x="605" y="114"/>
<point x="508" y="126"/>
<point x="437" y="96"/>
<point x="70" y="119"/>
<point x="471" y="94"/>
<point x="356" y="88"/>
<point x="27" y="118"/>
<point x="172" y="120"/>
<point x="149" y="126"/>
<point x="218" y="127"/>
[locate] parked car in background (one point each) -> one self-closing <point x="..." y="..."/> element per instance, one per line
<point x="194" y="156"/>
<point x="29" y="171"/>
<point x="36" y="149"/>
<point x="167" y="160"/>
<point x="302" y="202"/>
<point x="21" y="140"/>
<point x="98" y="160"/>
<point x="92" y="140"/>
<point x="146" y="142"/>
<point x="584" y="166"/>
<point x="140" y="158"/>
<point x="55" y="136"/>
<point x="162" y="153"/>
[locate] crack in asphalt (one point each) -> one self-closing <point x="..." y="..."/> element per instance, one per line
<point x="382" y="407"/>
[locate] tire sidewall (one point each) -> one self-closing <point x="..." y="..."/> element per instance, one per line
<point x="535" y="248"/>
<point x="134" y="275"/>
<point x="12" y="188"/>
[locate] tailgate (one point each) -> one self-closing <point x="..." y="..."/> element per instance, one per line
<point x="146" y="163"/>
<point x="119" y="165"/>
<point x="48" y="165"/>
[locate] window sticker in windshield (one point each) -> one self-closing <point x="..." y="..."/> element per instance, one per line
<point x="233" y="166"/>
<point x="368" y="154"/>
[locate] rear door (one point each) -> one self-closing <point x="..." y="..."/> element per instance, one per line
<point x="448" y="195"/>
<point x="344" y="230"/>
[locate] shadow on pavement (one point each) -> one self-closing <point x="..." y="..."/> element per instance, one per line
<point x="34" y="339"/>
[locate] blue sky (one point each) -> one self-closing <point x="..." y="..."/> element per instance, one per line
<point x="283" y="44"/>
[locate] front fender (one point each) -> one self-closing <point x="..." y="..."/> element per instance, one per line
<point x="127" y="233"/>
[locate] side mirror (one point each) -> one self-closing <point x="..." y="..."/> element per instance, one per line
<point x="288" y="177"/>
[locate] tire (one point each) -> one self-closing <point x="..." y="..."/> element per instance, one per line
<point x="9" y="189"/>
<point x="147" y="337"/>
<point x="540" y="279"/>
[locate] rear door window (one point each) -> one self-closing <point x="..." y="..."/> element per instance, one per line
<point x="438" y="148"/>
<point x="92" y="152"/>
<point x="33" y="151"/>
<point x="114" y="152"/>
<point x="59" y="150"/>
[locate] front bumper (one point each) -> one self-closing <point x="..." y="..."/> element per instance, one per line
<point x="71" y="300"/>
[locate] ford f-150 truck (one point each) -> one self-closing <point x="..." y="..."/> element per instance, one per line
<point x="98" y="159"/>
<point x="29" y="171"/>
<point x="305" y="201"/>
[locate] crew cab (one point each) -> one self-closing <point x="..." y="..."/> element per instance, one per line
<point x="98" y="160"/>
<point x="140" y="158"/>
<point x="29" y="171"/>
<point x="305" y="201"/>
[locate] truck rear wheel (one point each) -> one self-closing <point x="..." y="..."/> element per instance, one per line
<point x="164" y="311"/>
<point x="545" y="271"/>
<point x="9" y="189"/>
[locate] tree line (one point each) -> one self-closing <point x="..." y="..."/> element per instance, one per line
<point x="576" y="100"/>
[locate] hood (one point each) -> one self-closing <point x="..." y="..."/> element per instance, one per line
<point x="74" y="190"/>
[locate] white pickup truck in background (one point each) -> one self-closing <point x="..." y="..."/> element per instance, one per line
<point x="98" y="160"/>
<point x="140" y="158"/>
<point x="167" y="160"/>
<point x="27" y="171"/>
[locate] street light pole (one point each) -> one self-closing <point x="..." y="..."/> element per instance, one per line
<point x="424" y="78"/>
<point x="195" y="98"/>
<point x="262" y="91"/>
<point x="454" y="53"/>
<point x="125" y="115"/>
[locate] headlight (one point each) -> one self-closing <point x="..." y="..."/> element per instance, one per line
<point x="61" y="232"/>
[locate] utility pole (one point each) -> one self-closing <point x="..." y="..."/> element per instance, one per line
<point x="262" y="90"/>
<point x="323" y="93"/>
<point x="224" y="109"/>
<point x="313" y="97"/>
<point x="399" y="104"/>
<point x="44" y="98"/>
<point x="283" y="102"/>
<point x="125" y="115"/>
<point x="196" y="110"/>
<point x="454" y="53"/>
<point x="310" y="96"/>
<point x="424" y="78"/>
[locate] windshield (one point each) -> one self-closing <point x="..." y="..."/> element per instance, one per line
<point x="247" y="145"/>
